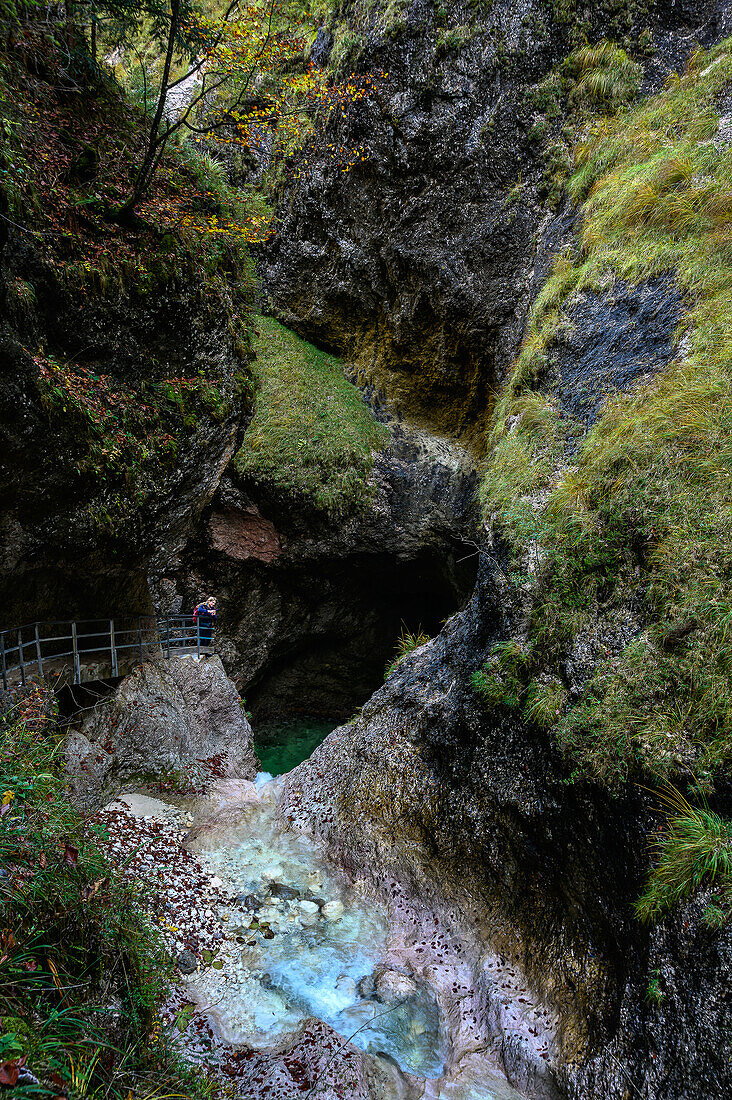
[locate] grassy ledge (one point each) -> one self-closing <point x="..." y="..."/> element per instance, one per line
<point x="312" y="434"/>
<point x="635" y="513"/>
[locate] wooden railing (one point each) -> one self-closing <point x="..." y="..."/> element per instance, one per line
<point x="91" y="649"/>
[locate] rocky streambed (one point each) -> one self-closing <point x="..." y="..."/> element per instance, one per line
<point x="298" y="980"/>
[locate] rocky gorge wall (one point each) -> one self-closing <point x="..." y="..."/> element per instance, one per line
<point x="425" y="267"/>
<point x="420" y="263"/>
<point x="80" y="542"/>
<point x="470" y="779"/>
<point x="123" y="351"/>
<point x="476" y="816"/>
<point x="312" y="606"/>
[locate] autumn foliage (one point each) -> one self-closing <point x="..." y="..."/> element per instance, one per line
<point x="247" y="84"/>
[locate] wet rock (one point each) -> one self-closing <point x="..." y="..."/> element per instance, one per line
<point x="365" y="987"/>
<point x="391" y="986"/>
<point x="309" y="912"/>
<point x="322" y="1061"/>
<point x="616" y="340"/>
<point x="186" y="962"/>
<point x="273" y="873"/>
<point x="281" y="890"/>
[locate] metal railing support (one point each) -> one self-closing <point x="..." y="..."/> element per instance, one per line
<point x="113" y="648"/>
<point x="39" y="659"/>
<point x="198" y="638"/>
<point x="75" y="651"/>
<point x="21" y="657"/>
<point x="2" y="658"/>
<point x="139" y="637"/>
<point x="167" y="637"/>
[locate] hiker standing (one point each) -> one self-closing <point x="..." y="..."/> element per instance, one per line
<point x="204" y="616"/>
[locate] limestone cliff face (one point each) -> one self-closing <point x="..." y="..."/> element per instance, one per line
<point x="76" y="531"/>
<point x="417" y="263"/>
<point x="420" y="266"/>
<point x="476" y="817"/>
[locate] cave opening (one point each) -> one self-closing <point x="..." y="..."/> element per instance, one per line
<point x="327" y="669"/>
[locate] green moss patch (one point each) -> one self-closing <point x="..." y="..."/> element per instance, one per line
<point x="312" y="436"/>
<point x="637" y="512"/>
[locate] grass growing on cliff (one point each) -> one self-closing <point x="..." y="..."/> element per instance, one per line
<point x="81" y="969"/>
<point x="312" y="435"/>
<point x="638" y="512"/>
<point x="408" y="641"/>
<point x="592" y="79"/>
<point x="695" y="847"/>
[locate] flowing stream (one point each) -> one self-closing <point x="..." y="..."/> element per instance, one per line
<point x="310" y="946"/>
<point x="302" y="942"/>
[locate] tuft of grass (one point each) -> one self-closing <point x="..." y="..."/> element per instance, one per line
<point x="312" y="435"/>
<point x="694" y="847"/>
<point x="654" y="993"/>
<point x="545" y="702"/>
<point x="591" y="80"/>
<point x="716" y="915"/>
<point x="635" y="511"/>
<point x="408" y="640"/>
<point x="601" y="74"/>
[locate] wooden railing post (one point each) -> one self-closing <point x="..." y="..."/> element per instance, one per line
<point x="2" y="659"/>
<point x="21" y="657"/>
<point x="75" y="651"/>
<point x="39" y="659"/>
<point x="113" y="647"/>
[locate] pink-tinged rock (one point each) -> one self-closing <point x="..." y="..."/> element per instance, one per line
<point x="245" y="534"/>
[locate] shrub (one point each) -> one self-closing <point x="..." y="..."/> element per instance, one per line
<point x="81" y="968"/>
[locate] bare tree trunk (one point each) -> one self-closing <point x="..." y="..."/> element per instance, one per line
<point x="155" y="143"/>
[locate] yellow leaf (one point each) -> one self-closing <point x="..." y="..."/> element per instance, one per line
<point x="8" y="798"/>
